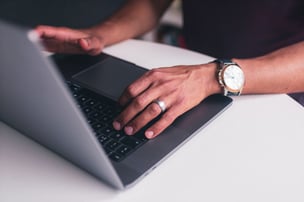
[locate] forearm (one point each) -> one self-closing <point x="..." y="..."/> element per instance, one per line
<point x="135" y="18"/>
<point x="281" y="71"/>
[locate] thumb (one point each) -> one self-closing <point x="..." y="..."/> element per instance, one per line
<point x="91" y="45"/>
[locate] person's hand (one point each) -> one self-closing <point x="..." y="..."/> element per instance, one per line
<point x="72" y="41"/>
<point x="180" y="88"/>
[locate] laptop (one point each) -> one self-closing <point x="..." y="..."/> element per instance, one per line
<point x="67" y="103"/>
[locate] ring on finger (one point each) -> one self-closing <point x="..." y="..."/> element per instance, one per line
<point x="161" y="104"/>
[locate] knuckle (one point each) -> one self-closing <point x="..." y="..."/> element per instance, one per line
<point x="154" y="73"/>
<point x="154" y="110"/>
<point x="180" y="100"/>
<point x="139" y="102"/>
<point x="130" y="91"/>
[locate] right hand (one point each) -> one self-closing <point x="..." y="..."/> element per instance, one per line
<point x="71" y="41"/>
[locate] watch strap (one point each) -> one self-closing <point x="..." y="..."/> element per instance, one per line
<point x="224" y="61"/>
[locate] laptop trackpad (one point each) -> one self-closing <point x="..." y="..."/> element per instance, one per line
<point x="109" y="77"/>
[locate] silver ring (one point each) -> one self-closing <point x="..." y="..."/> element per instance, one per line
<point x="161" y="104"/>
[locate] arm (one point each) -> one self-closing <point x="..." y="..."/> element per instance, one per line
<point x="183" y="87"/>
<point x="281" y="71"/>
<point x="133" y="19"/>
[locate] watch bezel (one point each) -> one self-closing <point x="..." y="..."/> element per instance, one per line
<point x="229" y="88"/>
<point x="223" y="65"/>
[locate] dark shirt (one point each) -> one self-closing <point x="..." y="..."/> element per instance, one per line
<point x="243" y="28"/>
<point x="239" y="28"/>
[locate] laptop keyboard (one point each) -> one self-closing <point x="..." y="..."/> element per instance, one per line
<point x="100" y="112"/>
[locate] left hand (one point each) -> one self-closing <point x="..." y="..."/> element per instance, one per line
<point x="180" y="88"/>
<point x="71" y="41"/>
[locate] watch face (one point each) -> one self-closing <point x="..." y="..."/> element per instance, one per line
<point x="233" y="77"/>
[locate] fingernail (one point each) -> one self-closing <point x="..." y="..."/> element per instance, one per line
<point x="116" y="125"/>
<point x="129" y="130"/>
<point x="149" y="134"/>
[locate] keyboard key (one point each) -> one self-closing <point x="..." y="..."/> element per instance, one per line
<point x="100" y="112"/>
<point x="100" y="107"/>
<point x="95" y="115"/>
<point x="113" y="145"/>
<point x="115" y="157"/>
<point x="87" y="110"/>
<point x="107" y="130"/>
<point x="123" y="150"/>
<point x="98" y="126"/>
<point x="82" y="99"/>
<point x="103" y="139"/>
<point x="92" y="102"/>
<point x="131" y="142"/>
<point x="116" y="135"/>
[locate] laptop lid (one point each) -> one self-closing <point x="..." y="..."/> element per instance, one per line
<point x="36" y="102"/>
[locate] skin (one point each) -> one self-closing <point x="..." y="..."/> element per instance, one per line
<point x="180" y="87"/>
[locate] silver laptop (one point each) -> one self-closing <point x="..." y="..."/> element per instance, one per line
<point x="67" y="104"/>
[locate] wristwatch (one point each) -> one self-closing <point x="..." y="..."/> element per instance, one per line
<point x="230" y="76"/>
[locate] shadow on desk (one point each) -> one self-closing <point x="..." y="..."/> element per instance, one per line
<point x="42" y="174"/>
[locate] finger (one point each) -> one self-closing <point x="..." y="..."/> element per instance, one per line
<point x="175" y="109"/>
<point x="48" y="32"/>
<point x="62" y="47"/>
<point x="150" y="113"/>
<point x="164" y="122"/>
<point x="91" y="45"/>
<point x="59" y="33"/>
<point x="135" y="107"/>
<point x="138" y="86"/>
<point x="133" y="90"/>
<point x="84" y="44"/>
<point x="42" y="30"/>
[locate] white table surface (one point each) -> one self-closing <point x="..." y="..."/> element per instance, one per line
<point x="252" y="152"/>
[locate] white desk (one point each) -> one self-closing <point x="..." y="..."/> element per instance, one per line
<point x="252" y="152"/>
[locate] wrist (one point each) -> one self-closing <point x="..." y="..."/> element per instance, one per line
<point x="213" y="86"/>
<point x="111" y="32"/>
